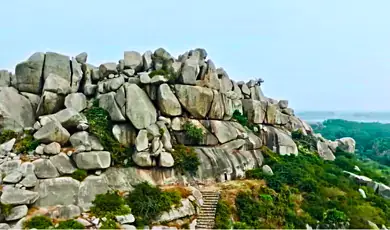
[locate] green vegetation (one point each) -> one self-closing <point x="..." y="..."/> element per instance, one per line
<point x="167" y="70"/>
<point x="79" y="174"/>
<point x="243" y="120"/>
<point x="186" y="159"/>
<point x="109" y="224"/>
<point x="192" y="132"/>
<point x="109" y="205"/>
<point x="7" y="135"/>
<point x="222" y="216"/>
<point x="100" y="125"/>
<point x="372" y="139"/>
<point x="5" y="209"/>
<point x="147" y="202"/>
<point x="307" y="189"/>
<point x="70" y="224"/>
<point x="38" y="222"/>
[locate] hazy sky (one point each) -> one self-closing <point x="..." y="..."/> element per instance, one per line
<point x="320" y="55"/>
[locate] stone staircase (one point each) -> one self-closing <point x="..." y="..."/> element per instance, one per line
<point x="206" y="217"/>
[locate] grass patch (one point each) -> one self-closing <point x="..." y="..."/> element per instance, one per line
<point x="7" y="135"/>
<point x="5" y="209"/>
<point x="39" y="222"/>
<point x="70" y="224"/>
<point x="109" y="204"/>
<point x="79" y="174"/>
<point x="192" y="132"/>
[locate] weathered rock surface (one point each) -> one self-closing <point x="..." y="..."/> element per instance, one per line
<point x="56" y="84"/>
<point x="139" y="109"/>
<point x="63" y="164"/>
<point x="195" y="99"/>
<point x="124" y="134"/>
<point x="279" y="141"/>
<point x="324" y="151"/>
<point x="50" y="190"/>
<point x="167" y="101"/>
<point x="77" y="101"/>
<point x="186" y="209"/>
<point x="57" y="64"/>
<point x="89" y="188"/>
<point x="16" y="196"/>
<point x="15" y="117"/>
<point x="93" y="160"/>
<point x="347" y="144"/>
<point x="107" y="102"/>
<point x="28" y="74"/>
<point x="44" y="168"/>
<point x="52" y="132"/>
<point x="50" y="103"/>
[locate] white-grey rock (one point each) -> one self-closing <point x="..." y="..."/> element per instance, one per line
<point x="144" y="78"/>
<point x="129" y="72"/>
<point x="168" y="103"/>
<point x="139" y="109"/>
<point x="57" y="64"/>
<point x="128" y="227"/>
<point x="362" y="193"/>
<point x="50" y="103"/>
<point x="44" y="168"/>
<point x="166" y="160"/>
<point x="107" y="69"/>
<point x="93" y="160"/>
<point x="223" y="130"/>
<point x="5" y="78"/>
<point x="124" y="134"/>
<point x="158" y="79"/>
<point x="15" y="117"/>
<point x="95" y="143"/>
<point x="82" y="127"/>
<point x="69" y="211"/>
<point x="52" y="148"/>
<point x="82" y="58"/>
<point x="107" y="101"/>
<point x="63" y="164"/>
<point x="52" y="132"/>
<point x="141" y="142"/>
<point x="77" y="101"/>
<point x="4" y="226"/>
<point x="57" y="191"/>
<point x="28" y="74"/>
<point x="10" y="166"/>
<point x="17" y="212"/>
<point x="70" y="118"/>
<point x="27" y="168"/>
<point x="267" y="170"/>
<point x="189" y="72"/>
<point x="57" y="84"/>
<point x="7" y="146"/>
<point x="147" y="60"/>
<point x="13" y="177"/>
<point x="143" y="159"/>
<point x="133" y="60"/>
<point x="187" y="209"/>
<point x="15" y="196"/>
<point x="29" y="181"/>
<point x="283" y="104"/>
<point x="84" y="222"/>
<point x="80" y="138"/>
<point x="125" y="219"/>
<point x="195" y="99"/>
<point x="39" y="149"/>
<point x="37" y="125"/>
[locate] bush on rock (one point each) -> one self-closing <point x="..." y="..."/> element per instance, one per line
<point x="7" y="135"/>
<point x="38" y="222"/>
<point x="79" y="174"/>
<point x="109" y="204"/>
<point x="70" y="224"/>
<point x="100" y="125"/>
<point x="186" y="159"/>
<point x="192" y="132"/>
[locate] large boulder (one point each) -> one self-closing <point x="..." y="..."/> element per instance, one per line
<point x="77" y="101"/>
<point x="108" y="103"/>
<point x="324" y="151"/>
<point x="17" y="213"/>
<point x="274" y="116"/>
<point x="106" y="69"/>
<point x="217" y="110"/>
<point x="16" y="196"/>
<point x="57" y="191"/>
<point x="44" y="168"/>
<point x="93" y="160"/>
<point x="255" y="110"/>
<point x="167" y="101"/>
<point x="56" y="84"/>
<point x="185" y="210"/>
<point x="109" y="85"/>
<point x="195" y="99"/>
<point x="77" y="76"/>
<point x="223" y="130"/>
<point x="279" y="141"/>
<point x="139" y="109"/>
<point x="143" y="159"/>
<point x="28" y="74"/>
<point x="89" y="188"/>
<point x="57" y="64"/>
<point x="52" y="132"/>
<point x="16" y="112"/>
<point x="347" y="144"/>
<point x="70" y="118"/>
<point x="133" y="60"/>
<point x="33" y="98"/>
<point x="384" y="191"/>
<point x="189" y="72"/>
<point x="124" y="134"/>
<point x="63" y="164"/>
<point x="50" y="103"/>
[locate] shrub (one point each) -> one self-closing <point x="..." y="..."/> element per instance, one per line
<point x="108" y="204"/>
<point x="70" y="224"/>
<point x="192" y="132"/>
<point x="5" y="209"/>
<point x="100" y="125"/>
<point x="27" y="143"/>
<point x="38" y="222"/>
<point x="147" y="202"/>
<point x="79" y="174"/>
<point x="242" y="119"/>
<point x="182" y="191"/>
<point x="186" y="159"/>
<point x="109" y="224"/>
<point x="222" y="215"/>
<point x="7" y="135"/>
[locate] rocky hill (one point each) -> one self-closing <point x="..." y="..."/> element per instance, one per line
<point x="139" y="119"/>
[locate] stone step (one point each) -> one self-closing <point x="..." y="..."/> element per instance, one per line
<point x="207" y="212"/>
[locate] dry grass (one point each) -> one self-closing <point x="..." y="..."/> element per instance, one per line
<point x="183" y="191"/>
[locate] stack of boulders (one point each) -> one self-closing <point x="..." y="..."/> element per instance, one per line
<point x="149" y="98"/>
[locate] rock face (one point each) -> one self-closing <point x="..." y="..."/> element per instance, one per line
<point x="139" y="109"/>
<point x="52" y="132"/>
<point x="196" y="100"/>
<point x="51" y="189"/>
<point x="347" y="144"/>
<point x="167" y="101"/>
<point x="29" y="74"/>
<point x="16" y="111"/>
